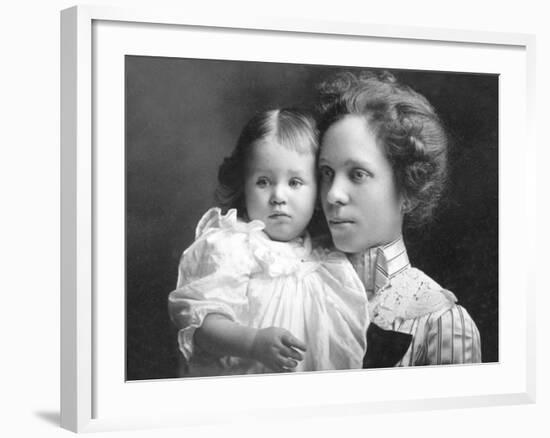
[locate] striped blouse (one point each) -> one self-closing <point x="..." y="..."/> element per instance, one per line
<point x="404" y="299"/>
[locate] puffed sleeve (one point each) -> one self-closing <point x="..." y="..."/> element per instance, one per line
<point x="213" y="277"/>
<point x="452" y="338"/>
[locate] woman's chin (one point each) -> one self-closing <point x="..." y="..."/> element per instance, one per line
<point x="346" y="244"/>
<point x="350" y="244"/>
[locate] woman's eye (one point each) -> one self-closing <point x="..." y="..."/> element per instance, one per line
<point x="326" y="173"/>
<point x="295" y="183"/>
<point x="359" y="175"/>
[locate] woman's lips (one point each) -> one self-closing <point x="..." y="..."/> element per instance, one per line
<point x="340" y="222"/>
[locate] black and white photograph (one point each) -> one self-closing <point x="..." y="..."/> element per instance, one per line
<point x="287" y="218"/>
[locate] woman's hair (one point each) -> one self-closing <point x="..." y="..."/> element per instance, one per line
<point x="405" y="125"/>
<point x="290" y="128"/>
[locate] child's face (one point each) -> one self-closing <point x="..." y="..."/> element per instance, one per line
<point x="280" y="189"/>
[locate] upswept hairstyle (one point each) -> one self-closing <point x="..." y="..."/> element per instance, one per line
<point x="291" y="128"/>
<point x="405" y="125"/>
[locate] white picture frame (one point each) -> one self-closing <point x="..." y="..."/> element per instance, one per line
<point x="86" y="374"/>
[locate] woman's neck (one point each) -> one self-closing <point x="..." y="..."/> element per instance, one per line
<point x="377" y="265"/>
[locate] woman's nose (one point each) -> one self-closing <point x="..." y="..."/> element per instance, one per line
<point x="337" y="194"/>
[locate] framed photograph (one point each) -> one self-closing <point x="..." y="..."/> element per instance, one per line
<point x="153" y="102"/>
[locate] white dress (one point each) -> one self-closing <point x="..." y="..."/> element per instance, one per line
<point x="235" y="270"/>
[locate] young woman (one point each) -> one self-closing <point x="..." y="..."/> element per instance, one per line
<point x="382" y="163"/>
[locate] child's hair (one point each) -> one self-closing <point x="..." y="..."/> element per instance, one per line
<point x="291" y="128"/>
<point x="406" y="126"/>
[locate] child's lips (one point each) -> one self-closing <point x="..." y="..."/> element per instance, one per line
<point x="279" y="216"/>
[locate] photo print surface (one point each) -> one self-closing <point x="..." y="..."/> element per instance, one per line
<point x="185" y="116"/>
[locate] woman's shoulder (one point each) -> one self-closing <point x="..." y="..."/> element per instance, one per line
<point x="452" y="336"/>
<point x="412" y="294"/>
<point x="414" y="282"/>
<point x="425" y="297"/>
<point x="455" y="316"/>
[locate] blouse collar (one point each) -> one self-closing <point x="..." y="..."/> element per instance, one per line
<point x="378" y="265"/>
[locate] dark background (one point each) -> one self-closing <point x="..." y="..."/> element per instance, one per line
<point x="184" y="115"/>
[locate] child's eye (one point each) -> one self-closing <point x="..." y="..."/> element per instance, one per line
<point x="359" y="175"/>
<point x="326" y="173"/>
<point x="295" y="183"/>
<point x="262" y="182"/>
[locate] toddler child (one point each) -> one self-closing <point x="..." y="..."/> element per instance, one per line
<point x="253" y="294"/>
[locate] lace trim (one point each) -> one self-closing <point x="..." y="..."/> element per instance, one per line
<point x="411" y="294"/>
<point x="274" y="258"/>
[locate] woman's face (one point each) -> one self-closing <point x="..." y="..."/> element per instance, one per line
<point x="360" y="199"/>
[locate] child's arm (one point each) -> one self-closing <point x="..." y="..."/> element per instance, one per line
<point x="273" y="346"/>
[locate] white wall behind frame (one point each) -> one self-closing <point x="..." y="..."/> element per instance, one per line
<point x="30" y="220"/>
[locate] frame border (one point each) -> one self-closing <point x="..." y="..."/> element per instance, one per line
<point x="77" y="197"/>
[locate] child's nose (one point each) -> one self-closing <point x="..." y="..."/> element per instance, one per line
<point x="278" y="195"/>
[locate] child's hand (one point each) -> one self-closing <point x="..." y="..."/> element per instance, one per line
<point x="276" y="348"/>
